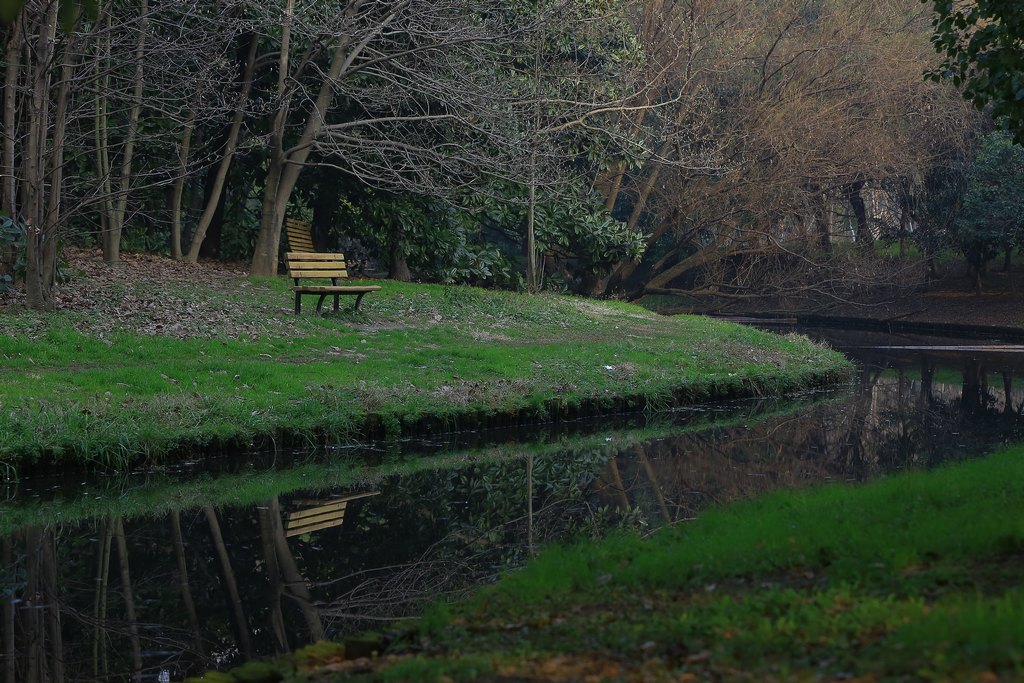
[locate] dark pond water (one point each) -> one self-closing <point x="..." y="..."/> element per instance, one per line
<point x="129" y="576"/>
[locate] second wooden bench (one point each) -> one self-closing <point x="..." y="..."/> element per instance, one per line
<point x="305" y="265"/>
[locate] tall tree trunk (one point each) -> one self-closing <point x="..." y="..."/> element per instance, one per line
<point x="214" y="196"/>
<point x="38" y="286"/>
<point x="112" y="243"/>
<point x="285" y="166"/>
<point x="229" y="582"/>
<point x="12" y="73"/>
<point x="532" y="279"/>
<point x="52" y="221"/>
<point x="101" y="131"/>
<point x="179" y="182"/>
<point x="9" y="187"/>
<point x="264" y="260"/>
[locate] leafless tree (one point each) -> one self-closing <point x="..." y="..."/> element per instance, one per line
<point x="805" y="111"/>
<point x="94" y="114"/>
<point x="401" y="95"/>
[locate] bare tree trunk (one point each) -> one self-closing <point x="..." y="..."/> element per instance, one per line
<point x="709" y="254"/>
<point x="9" y="191"/>
<point x="186" y="590"/>
<point x="112" y="241"/>
<point x="625" y="269"/>
<point x="532" y="281"/>
<point x="179" y="182"/>
<point x="38" y="287"/>
<point x="264" y="260"/>
<point x="129" y="599"/>
<point x="213" y="198"/>
<point x="285" y="166"/>
<point x="102" y="135"/>
<point x="229" y="582"/>
<point x="48" y="250"/>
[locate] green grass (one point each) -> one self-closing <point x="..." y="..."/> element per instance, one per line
<point x="914" y="577"/>
<point x="457" y="355"/>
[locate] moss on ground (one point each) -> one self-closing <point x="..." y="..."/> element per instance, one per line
<point x="414" y="357"/>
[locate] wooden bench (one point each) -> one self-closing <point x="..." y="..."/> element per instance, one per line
<point x="329" y="266"/>
<point x="300" y="236"/>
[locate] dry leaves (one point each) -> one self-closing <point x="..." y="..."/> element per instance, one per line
<point x="154" y="295"/>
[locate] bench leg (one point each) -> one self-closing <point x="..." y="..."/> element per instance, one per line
<point x="359" y="297"/>
<point x="320" y="303"/>
<point x="298" y="303"/>
<point x="335" y="303"/>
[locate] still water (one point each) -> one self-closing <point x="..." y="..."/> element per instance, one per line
<point x="125" y="577"/>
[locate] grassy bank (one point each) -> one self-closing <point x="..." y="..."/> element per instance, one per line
<point x="152" y="368"/>
<point x="154" y="494"/>
<point x="915" y="577"/>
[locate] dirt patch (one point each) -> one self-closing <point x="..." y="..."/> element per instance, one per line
<point x="598" y="311"/>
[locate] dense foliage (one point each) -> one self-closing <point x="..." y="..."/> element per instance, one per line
<point x="981" y="45"/>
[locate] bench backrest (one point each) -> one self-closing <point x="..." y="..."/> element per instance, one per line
<point x="300" y="238"/>
<point x="308" y="264"/>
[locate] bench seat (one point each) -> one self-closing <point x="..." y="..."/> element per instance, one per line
<point x="305" y="265"/>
